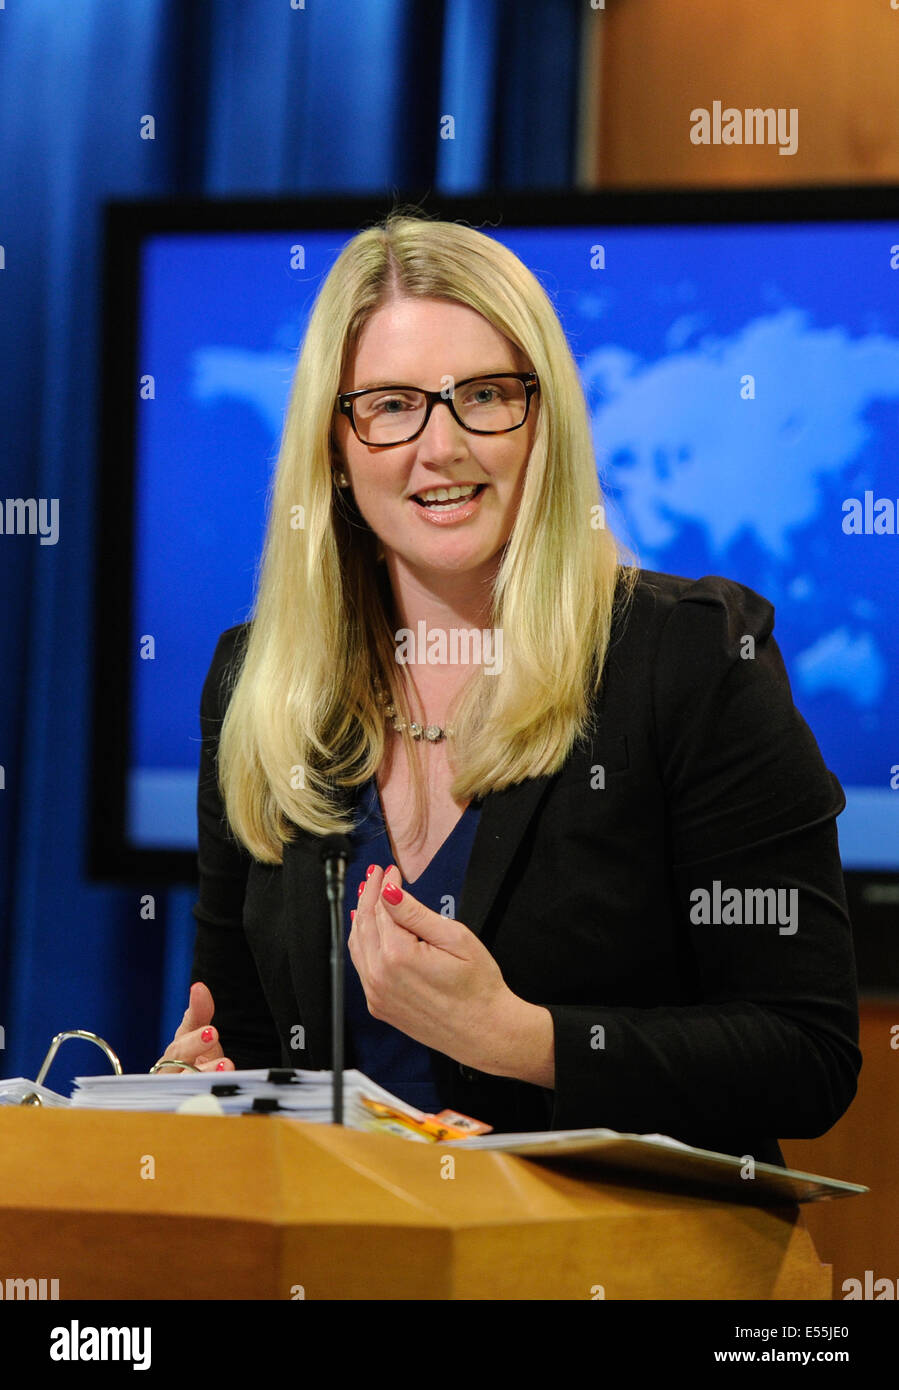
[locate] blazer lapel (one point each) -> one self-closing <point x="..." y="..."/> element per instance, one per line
<point x="504" y="819"/>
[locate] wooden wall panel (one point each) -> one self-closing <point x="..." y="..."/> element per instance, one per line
<point x="835" y="61"/>
<point x="858" y="1233"/>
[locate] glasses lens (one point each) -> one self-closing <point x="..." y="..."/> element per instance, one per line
<point x="491" y="404"/>
<point x="386" y="417"/>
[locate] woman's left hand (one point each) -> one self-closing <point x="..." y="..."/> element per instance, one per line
<point x="428" y="975"/>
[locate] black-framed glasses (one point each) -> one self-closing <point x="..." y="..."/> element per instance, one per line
<point x="388" y="415"/>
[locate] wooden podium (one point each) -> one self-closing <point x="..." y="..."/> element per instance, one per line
<point x="121" y="1205"/>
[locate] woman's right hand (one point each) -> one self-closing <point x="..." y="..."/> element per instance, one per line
<point x="189" y="1043"/>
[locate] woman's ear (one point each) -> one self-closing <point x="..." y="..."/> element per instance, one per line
<point x="338" y="468"/>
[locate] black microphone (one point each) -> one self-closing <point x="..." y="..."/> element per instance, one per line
<point x="335" y="854"/>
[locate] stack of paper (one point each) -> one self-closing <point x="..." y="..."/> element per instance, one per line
<point x="14" y="1091"/>
<point x="658" y="1157"/>
<point x="300" y="1094"/>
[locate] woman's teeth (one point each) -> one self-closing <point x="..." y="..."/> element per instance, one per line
<point x="448" y="496"/>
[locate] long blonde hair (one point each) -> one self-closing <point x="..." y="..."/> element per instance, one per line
<point x="303" y="723"/>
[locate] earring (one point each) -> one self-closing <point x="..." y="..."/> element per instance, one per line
<point x="341" y="478"/>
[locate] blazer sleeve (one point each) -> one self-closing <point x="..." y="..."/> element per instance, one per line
<point x="768" y="1043"/>
<point x="222" y="956"/>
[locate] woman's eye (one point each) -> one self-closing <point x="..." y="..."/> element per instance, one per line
<point x="485" y="395"/>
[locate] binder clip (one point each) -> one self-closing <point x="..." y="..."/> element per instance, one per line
<point x="33" y="1098"/>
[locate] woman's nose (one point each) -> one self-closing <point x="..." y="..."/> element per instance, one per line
<point x="442" y="430"/>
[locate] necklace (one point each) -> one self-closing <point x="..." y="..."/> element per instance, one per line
<point x="431" y="733"/>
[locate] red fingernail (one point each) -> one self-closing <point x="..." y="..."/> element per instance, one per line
<point x="352" y="914"/>
<point x="207" y="1035"/>
<point x="392" y="894"/>
<point x="220" y="1066"/>
<point x="361" y="889"/>
<point x="370" y="870"/>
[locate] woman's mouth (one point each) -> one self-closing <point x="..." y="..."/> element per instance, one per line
<point x="452" y="503"/>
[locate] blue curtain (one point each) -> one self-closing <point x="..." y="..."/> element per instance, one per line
<point x="249" y="97"/>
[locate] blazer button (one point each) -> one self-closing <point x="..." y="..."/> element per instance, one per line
<point x="466" y="1073"/>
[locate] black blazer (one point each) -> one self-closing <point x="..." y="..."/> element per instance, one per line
<point x="699" y="771"/>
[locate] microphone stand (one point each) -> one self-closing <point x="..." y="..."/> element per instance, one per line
<point x="335" y="854"/>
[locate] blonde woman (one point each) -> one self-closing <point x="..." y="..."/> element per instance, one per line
<point x="594" y="841"/>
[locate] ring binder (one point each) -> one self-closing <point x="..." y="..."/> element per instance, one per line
<point x="33" y="1098"/>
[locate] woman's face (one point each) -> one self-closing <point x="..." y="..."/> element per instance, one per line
<point x="421" y="342"/>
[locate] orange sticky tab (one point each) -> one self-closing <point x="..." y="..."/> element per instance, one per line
<point x="463" y="1123"/>
<point x="447" y="1125"/>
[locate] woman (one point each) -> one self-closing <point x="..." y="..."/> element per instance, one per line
<point x="623" y="902"/>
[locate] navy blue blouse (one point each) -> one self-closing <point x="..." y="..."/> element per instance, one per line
<point x="393" y="1059"/>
